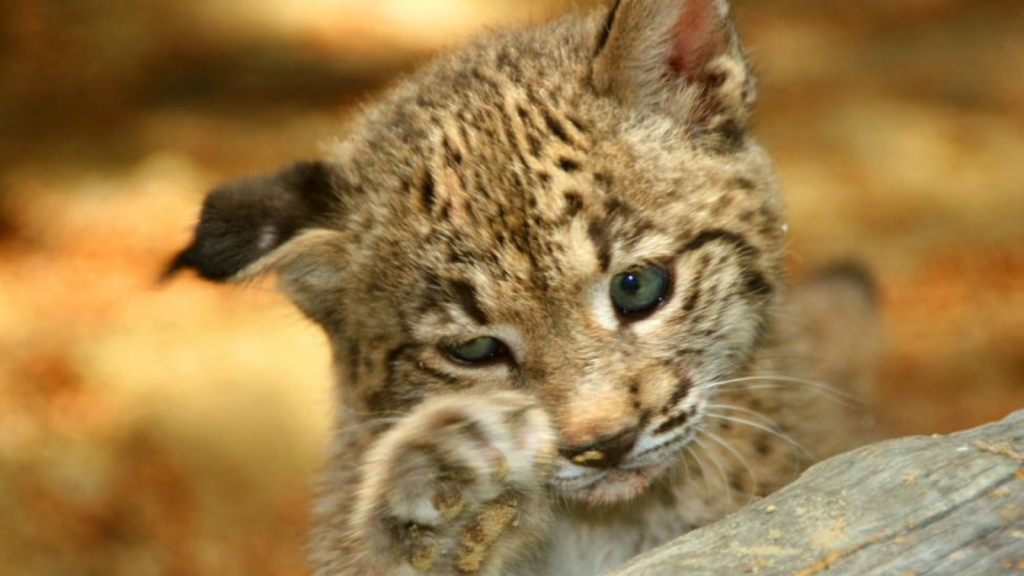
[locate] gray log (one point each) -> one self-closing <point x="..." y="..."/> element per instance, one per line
<point x="943" y="505"/>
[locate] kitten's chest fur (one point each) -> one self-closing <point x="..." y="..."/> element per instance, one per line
<point x="588" y="545"/>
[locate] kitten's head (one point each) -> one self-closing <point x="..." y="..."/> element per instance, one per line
<point x="573" y="211"/>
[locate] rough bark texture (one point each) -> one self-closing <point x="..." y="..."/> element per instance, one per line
<point x="942" y="505"/>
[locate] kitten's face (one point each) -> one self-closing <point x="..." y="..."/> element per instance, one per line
<point x="621" y="278"/>
<point x="515" y="220"/>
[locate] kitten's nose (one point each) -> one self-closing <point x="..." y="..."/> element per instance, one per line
<point x="605" y="452"/>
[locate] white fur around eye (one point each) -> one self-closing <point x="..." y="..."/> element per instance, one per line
<point x="601" y="306"/>
<point x="652" y="324"/>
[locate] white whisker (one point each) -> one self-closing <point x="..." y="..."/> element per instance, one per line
<point x="717" y="462"/>
<point x="772" y="382"/>
<point x="703" y="471"/>
<point x="768" y="421"/>
<point x="772" y="431"/>
<point x="740" y="458"/>
<point x="782" y="379"/>
<point x="851" y="405"/>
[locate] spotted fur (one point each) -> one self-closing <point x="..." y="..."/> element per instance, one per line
<point x="497" y="193"/>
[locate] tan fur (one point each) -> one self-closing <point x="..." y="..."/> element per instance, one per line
<point x="497" y="193"/>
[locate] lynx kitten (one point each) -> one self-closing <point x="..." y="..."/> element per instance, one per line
<point x="550" y="269"/>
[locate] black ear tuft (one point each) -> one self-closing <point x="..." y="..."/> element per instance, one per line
<point x="245" y="220"/>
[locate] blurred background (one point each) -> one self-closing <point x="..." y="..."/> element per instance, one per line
<point x="173" y="430"/>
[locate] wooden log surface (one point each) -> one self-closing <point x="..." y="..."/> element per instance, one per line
<point x="936" y="506"/>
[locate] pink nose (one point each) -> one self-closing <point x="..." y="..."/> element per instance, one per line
<point x="605" y="452"/>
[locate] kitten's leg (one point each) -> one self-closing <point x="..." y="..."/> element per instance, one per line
<point x="457" y="487"/>
<point x="832" y="347"/>
<point x="840" y="327"/>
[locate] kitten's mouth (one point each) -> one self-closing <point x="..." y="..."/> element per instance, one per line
<point x="628" y="480"/>
<point x="624" y="476"/>
<point x="608" y="486"/>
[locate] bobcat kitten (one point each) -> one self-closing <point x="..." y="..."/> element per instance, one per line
<point x="550" y="269"/>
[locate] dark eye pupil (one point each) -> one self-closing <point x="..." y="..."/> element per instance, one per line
<point x="630" y="283"/>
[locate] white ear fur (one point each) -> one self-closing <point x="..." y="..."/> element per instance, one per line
<point x="297" y="252"/>
<point x="310" y="269"/>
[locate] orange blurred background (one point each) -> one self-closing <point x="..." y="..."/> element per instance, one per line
<point x="152" y="430"/>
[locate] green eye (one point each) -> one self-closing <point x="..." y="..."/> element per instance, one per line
<point x="638" y="292"/>
<point x="479" y="350"/>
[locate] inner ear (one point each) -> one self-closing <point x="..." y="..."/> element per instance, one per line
<point x="679" y="57"/>
<point x="698" y="38"/>
<point x="246" y="220"/>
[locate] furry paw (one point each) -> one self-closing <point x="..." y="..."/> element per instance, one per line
<point x="459" y="484"/>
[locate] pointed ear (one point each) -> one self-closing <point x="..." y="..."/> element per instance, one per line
<point x="679" y="57"/>
<point x="248" y="220"/>
<point x="280" y="224"/>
